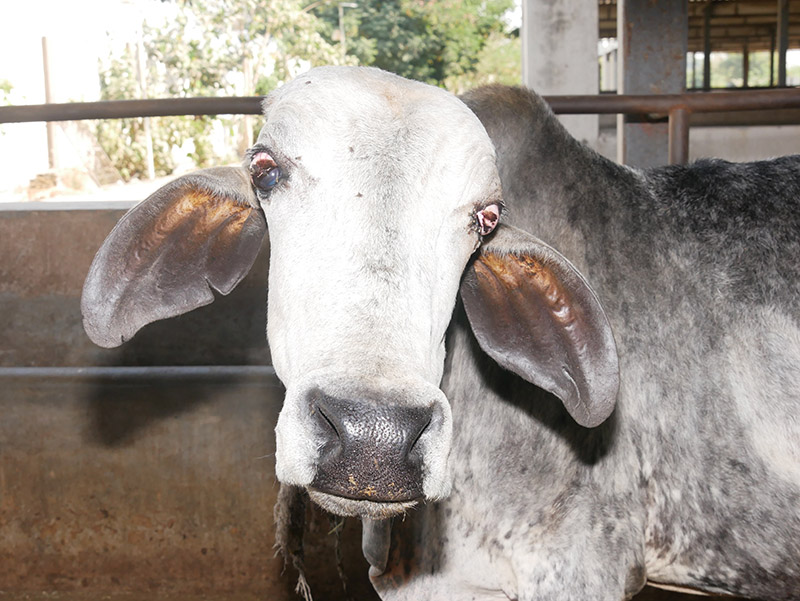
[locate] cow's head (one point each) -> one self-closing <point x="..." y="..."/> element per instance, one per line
<point x="376" y="191"/>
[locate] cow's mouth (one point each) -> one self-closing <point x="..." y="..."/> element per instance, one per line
<point x="371" y="510"/>
<point x="376" y="523"/>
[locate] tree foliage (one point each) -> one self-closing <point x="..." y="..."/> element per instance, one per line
<point x="727" y="70"/>
<point x="498" y="62"/>
<point x="206" y="48"/>
<point x="247" y="47"/>
<point x="426" y="40"/>
<point x="5" y="91"/>
<point x="124" y="140"/>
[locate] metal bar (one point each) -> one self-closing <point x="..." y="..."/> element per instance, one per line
<point x="48" y="98"/>
<point x="661" y="104"/>
<point x="159" y="372"/>
<point x="125" y="109"/>
<point x="678" y="136"/>
<point x="772" y="59"/>
<point x="707" y="46"/>
<point x="783" y="40"/>
<point x="745" y="66"/>
<point x="631" y="104"/>
<point x="654" y="49"/>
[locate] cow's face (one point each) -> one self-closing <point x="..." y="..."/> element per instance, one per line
<point x="376" y="192"/>
<point x="383" y="186"/>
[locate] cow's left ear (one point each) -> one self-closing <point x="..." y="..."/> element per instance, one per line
<point x="536" y="315"/>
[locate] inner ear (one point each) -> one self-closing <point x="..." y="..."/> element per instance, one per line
<point x="536" y="315"/>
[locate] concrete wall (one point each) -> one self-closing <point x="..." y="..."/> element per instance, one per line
<point x="744" y="143"/>
<point x="739" y="144"/>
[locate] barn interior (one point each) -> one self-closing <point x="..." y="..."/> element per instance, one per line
<point x="147" y="472"/>
<point x="662" y="48"/>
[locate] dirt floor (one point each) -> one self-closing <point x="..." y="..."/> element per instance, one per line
<point x="648" y="594"/>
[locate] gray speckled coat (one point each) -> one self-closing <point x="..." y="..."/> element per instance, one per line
<point x="382" y="198"/>
<point x="695" y="479"/>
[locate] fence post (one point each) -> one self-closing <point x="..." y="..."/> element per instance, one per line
<point x="679" y="135"/>
<point x="52" y="155"/>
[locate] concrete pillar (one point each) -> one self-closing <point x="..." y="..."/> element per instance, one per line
<point x="609" y="75"/>
<point x="653" y="40"/>
<point x="559" y="55"/>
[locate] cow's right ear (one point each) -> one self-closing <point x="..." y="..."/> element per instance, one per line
<point x="162" y="259"/>
<point x="536" y="315"/>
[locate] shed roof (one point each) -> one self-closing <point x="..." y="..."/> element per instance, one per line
<point x="733" y="24"/>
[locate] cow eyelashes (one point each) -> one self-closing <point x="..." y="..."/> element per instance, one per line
<point x="264" y="171"/>
<point x="487" y="218"/>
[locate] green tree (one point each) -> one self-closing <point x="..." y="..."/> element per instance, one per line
<point x="246" y="47"/>
<point x="759" y="69"/>
<point x="124" y="140"/>
<point x="264" y="41"/>
<point x="429" y="41"/>
<point x="208" y="48"/>
<point x="499" y="62"/>
<point x="5" y="91"/>
<point x="793" y="75"/>
<point x="727" y="70"/>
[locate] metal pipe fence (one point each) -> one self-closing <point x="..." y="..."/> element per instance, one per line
<point x="677" y="108"/>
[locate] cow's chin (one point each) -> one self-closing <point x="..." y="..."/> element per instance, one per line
<point x="359" y="508"/>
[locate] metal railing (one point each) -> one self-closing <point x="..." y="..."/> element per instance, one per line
<point x="678" y="108"/>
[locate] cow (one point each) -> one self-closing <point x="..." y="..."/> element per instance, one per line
<point x="510" y="421"/>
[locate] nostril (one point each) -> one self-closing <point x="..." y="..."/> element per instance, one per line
<point x="422" y="425"/>
<point x="330" y="434"/>
<point x="326" y="420"/>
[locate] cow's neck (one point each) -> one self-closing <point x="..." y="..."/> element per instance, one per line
<point x="554" y="186"/>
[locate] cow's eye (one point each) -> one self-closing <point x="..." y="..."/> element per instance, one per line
<point x="486" y="219"/>
<point x="264" y="172"/>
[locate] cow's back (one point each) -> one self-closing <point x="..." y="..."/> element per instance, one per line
<point x="707" y="312"/>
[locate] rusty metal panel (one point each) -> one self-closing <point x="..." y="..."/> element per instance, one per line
<point x="139" y="483"/>
<point x="45" y="254"/>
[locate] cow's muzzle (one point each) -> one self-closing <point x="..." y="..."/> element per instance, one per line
<point x="370" y="449"/>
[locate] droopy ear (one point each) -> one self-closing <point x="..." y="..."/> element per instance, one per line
<point x="198" y="232"/>
<point x="534" y="314"/>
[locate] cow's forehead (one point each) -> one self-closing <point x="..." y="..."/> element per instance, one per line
<point x="339" y="105"/>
